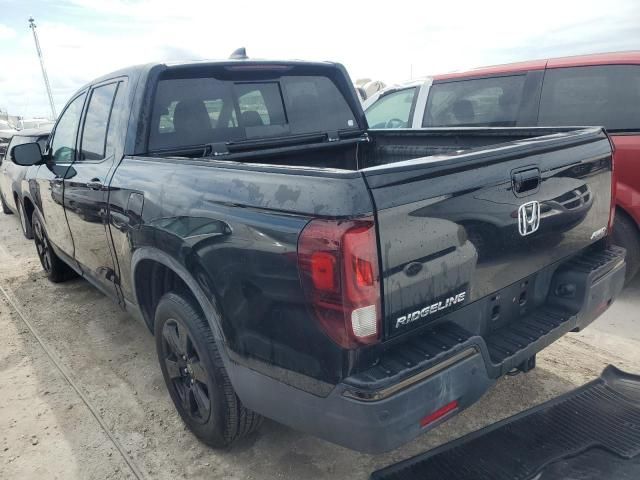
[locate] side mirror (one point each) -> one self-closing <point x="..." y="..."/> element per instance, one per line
<point x="27" y="154"/>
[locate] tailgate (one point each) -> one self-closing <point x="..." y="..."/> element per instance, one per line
<point x="455" y="229"/>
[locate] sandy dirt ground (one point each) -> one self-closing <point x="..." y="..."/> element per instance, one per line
<point x="82" y="396"/>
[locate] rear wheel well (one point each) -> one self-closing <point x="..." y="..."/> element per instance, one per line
<point x="622" y="212"/>
<point x="152" y="281"/>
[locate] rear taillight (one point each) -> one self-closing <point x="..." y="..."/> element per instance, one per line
<point x="339" y="271"/>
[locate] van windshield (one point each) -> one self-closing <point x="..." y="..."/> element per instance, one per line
<point x="204" y="110"/>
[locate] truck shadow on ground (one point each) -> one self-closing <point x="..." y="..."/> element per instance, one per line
<point x="112" y="358"/>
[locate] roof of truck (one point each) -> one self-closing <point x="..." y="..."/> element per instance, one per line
<point x="630" y="57"/>
<point x="134" y="70"/>
<point x="33" y="132"/>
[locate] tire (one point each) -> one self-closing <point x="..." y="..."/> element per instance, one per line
<point x="57" y="271"/>
<point x="5" y="208"/>
<point x="626" y="234"/>
<point x="195" y="375"/>
<point x="27" y="231"/>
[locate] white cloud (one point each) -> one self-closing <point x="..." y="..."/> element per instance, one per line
<point x="6" y="33"/>
<point x="385" y="40"/>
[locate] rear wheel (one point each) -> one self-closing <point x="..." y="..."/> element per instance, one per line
<point x="195" y="375"/>
<point x="626" y="234"/>
<point x="55" y="268"/>
<point x="27" y="231"/>
<point x="5" y="208"/>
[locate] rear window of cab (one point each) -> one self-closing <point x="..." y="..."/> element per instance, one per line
<point x="204" y="110"/>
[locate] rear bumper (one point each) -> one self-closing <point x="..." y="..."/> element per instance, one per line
<point x="371" y="418"/>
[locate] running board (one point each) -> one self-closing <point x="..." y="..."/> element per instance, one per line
<point x="596" y="425"/>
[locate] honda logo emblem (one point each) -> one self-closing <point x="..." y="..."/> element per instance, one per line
<point x="528" y="218"/>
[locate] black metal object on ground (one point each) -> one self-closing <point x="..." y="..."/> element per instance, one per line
<point x="593" y="431"/>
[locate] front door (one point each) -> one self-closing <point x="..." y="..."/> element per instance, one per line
<point x="86" y="191"/>
<point x="50" y="176"/>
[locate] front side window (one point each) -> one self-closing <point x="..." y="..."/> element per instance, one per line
<point x="204" y="110"/>
<point x="94" y="133"/>
<point x="493" y="102"/>
<point x="63" y="145"/>
<point x="606" y="96"/>
<point x="392" y="110"/>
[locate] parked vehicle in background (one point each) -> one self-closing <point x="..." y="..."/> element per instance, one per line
<point x="394" y="106"/>
<point x="367" y="87"/>
<point x="42" y="123"/>
<point x="7" y="130"/>
<point x="295" y="264"/>
<point x="601" y="89"/>
<point x="12" y="176"/>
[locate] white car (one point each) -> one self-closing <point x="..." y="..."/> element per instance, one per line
<point x="398" y="106"/>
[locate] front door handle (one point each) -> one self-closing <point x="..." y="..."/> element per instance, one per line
<point x="95" y="184"/>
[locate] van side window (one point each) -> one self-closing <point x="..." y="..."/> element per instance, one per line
<point x="94" y="133"/>
<point x="392" y="110"/>
<point x="606" y="96"/>
<point x="492" y="102"/>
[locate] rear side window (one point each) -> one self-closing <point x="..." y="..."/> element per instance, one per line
<point x="198" y="111"/>
<point x="606" y="96"/>
<point x="94" y="135"/>
<point x="392" y="110"/>
<point x="493" y="102"/>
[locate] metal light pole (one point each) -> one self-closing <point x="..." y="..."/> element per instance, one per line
<point x="32" y="26"/>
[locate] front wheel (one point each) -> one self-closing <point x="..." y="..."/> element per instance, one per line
<point x="195" y="375"/>
<point x="56" y="270"/>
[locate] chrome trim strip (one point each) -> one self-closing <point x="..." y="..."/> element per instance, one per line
<point x="407" y="382"/>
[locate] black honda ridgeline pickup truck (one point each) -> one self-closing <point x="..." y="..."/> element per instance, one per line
<point x="361" y="285"/>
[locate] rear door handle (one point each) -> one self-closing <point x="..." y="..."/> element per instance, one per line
<point x="95" y="184"/>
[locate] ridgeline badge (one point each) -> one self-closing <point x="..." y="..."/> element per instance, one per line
<point x="430" y="309"/>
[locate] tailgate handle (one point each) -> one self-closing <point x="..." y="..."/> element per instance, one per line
<point x="526" y="180"/>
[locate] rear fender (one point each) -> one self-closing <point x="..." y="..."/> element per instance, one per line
<point x="207" y="301"/>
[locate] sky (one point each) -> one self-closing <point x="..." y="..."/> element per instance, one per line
<point x="390" y="41"/>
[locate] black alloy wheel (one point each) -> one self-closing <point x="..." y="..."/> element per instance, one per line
<point x="194" y="372"/>
<point x="42" y="245"/>
<point x="54" y="267"/>
<point x="187" y="373"/>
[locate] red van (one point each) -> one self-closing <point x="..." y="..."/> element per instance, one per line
<point x="599" y="89"/>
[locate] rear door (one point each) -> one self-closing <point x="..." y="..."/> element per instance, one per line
<point x="85" y="190"/>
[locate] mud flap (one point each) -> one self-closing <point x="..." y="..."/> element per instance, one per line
<point x="590" y="433"/>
